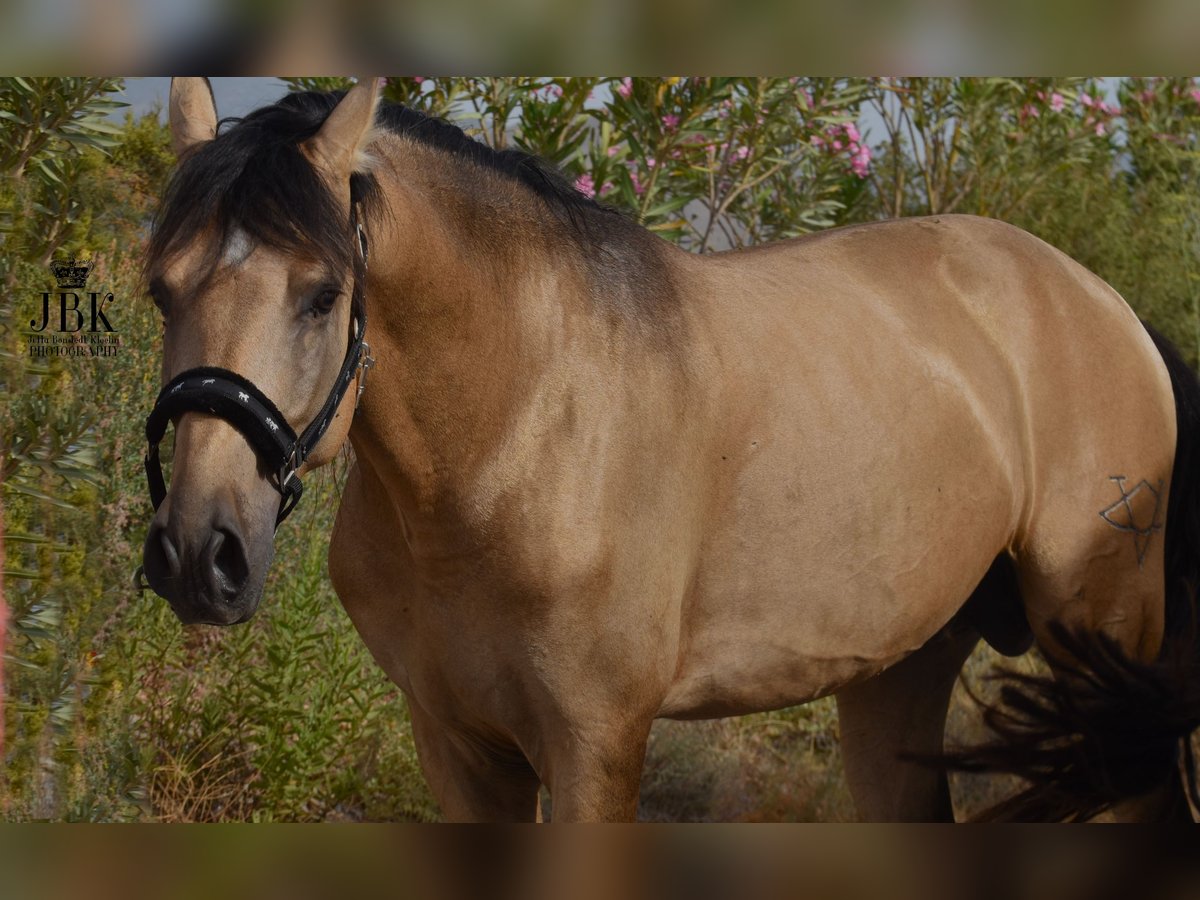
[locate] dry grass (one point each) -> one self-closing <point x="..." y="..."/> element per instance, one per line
<point x="203" y="784"/>
<point x="780" y="766"/>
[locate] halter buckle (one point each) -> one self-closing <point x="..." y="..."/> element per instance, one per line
<point x="362" y="241"/>
<point x="289" y="468"/>
<point x="365" y="363"/>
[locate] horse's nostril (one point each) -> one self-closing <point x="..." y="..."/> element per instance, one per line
<point x="160" y="558"/>
<point x="229" y="565"/>
<point x="170" y="554"/>
<point x="204" y="573"/>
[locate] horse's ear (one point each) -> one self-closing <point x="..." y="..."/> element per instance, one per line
<point x="338" y="147"/>
<point x="193" y="113"/>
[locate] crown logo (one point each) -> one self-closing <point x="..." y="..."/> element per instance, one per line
<point x="71" y="274"/>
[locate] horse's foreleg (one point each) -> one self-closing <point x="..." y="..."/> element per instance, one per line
<point x="473" y="781"/>
<point x="595" y="774"/>
<point x="903" y="709"/>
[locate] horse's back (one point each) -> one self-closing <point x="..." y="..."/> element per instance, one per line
<point x="900" y="403"/>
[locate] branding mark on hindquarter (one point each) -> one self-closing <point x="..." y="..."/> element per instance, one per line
<point x="1142" y="522"/>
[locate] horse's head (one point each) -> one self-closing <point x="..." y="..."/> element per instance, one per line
<point x="257" y="267"/>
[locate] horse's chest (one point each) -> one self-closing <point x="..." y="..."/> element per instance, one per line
<point x="432" y="632"/>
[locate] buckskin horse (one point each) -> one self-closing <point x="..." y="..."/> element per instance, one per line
<point x="599" y="480"/>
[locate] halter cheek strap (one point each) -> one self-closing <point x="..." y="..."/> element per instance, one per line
<point x="239" y="402"/>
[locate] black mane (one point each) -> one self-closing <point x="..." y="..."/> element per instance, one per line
<point x="253" y="176"/>
<point x="541" y="177"/>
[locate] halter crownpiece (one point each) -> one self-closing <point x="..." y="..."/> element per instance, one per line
<point x="239" y="402"/>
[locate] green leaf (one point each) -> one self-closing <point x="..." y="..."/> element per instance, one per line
<point x="28" y="491"/>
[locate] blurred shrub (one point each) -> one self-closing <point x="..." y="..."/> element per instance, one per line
<point x="51" y="130"/>
<point x="1110" y="181"/>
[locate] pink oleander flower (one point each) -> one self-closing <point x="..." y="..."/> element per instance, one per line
<point x="837" y="145"/>
<point x="585" y="185"/>
<point x="1086" y="99"/>
<point x="614" y="150"/>
<point x="625" y="88"/>
<point x="1196" y="95"/>
<point x="1099" y="129"/>
<point x="741" y="153"/>
<point x="637" y="184"/>
<point x="1057" y="102"/>
<point x="817" y="141"/>
<point x="860" y="160"/>
<point x="1030" y="111"/>
<point x="670" y="122"/>
<point x="852" y="132"/>
<point x="651" y="162"/>
<point x="419" y="79"/>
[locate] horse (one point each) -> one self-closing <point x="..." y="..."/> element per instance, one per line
<point x="598" y="480"/>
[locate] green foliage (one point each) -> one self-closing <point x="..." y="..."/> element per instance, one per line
<point x="1113" y="185"/>
<point x="145" y="151"/>
<point x="985" y="146"/>
<point x="42" y="120"/>
<point x="51" y="130"/>
<point x="46" y="124"/>
<point x="1133" y="216"/>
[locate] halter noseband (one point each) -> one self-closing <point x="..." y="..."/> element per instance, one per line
<point x="235" y="399"/>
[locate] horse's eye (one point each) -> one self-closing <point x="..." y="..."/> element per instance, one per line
<point x="158" y="296"/>
<point x="324" y="302"/>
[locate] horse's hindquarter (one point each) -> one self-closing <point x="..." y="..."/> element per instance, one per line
<point x="876" y="453"/>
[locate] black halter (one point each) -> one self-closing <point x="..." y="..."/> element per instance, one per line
<point x="235" y="399"/>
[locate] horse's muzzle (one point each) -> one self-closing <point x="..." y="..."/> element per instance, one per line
<point x="206" y="576"/>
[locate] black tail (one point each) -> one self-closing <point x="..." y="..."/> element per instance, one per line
<point x="1183" y="503"/>
<point x="1110" y="727"/>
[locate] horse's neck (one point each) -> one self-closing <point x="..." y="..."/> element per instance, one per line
<point x="460" y="329"/>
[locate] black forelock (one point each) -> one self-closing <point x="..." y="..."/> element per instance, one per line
<point x="253" y="176"/>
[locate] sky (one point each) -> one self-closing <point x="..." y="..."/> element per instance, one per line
<point x="235" y="96"/>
